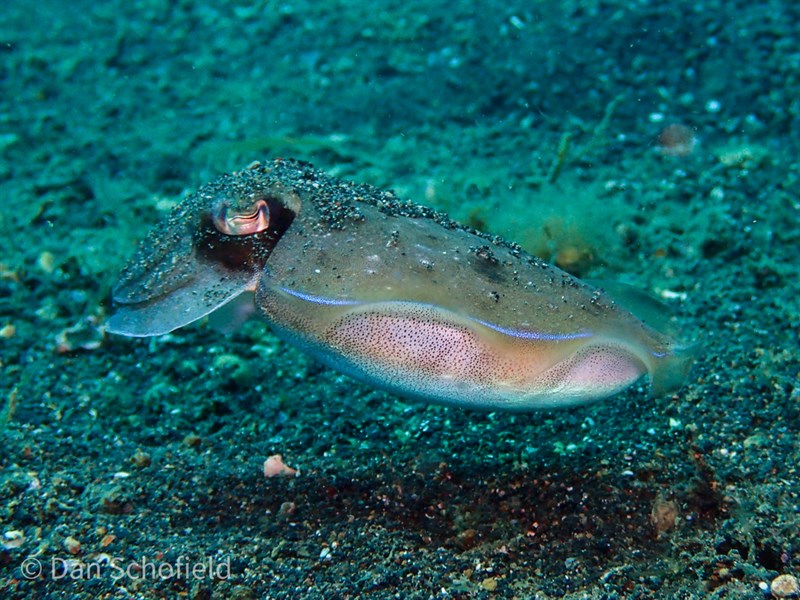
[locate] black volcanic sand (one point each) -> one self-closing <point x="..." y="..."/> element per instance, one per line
<point x="539" y="121"/>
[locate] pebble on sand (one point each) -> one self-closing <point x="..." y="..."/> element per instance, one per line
<point x="274" y="465"/>
<point x="785" y="586"/>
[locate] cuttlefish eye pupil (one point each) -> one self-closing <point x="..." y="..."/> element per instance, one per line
<point x="230" y="221"/>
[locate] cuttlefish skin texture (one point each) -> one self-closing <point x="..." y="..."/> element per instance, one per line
<point x="390" y="292"/>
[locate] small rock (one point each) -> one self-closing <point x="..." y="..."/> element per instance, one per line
<point x="489" y="584"/>
<point x="241" y="592"/>
<point x="13" y="539"/>
<point x="115" y="501"/>
<point x="785" y="586"/>
<point x="72" y="545"/>
<point x="192" y="440"/>
<point x="140" y="459"/>
<point x="233" y="370"/>
<point x="85" y="335"/>
<point x="466" y="539"/>
<point x="47" y="262"/>
<point x="757" y="440"/>
<point x="663" y="514"/>
<point x="677" y="140"/>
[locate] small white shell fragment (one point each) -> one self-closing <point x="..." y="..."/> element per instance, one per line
<point x="274" y="465"/>
<point x="13" y="539"/>
<point x="672" y="295"/>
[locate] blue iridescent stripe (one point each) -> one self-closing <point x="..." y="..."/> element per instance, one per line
<point x="319" y="299"/>
<point x="517" y="333"/>
<point x="536" y="335"/>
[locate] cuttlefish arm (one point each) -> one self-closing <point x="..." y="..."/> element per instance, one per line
<point x="391" y="293"/>
<point x="211" y="250"/>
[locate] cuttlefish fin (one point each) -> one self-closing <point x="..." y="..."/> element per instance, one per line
<point x="669" y="373"/>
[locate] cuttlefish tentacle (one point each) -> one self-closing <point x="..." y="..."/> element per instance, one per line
<point x="392" y="293"/>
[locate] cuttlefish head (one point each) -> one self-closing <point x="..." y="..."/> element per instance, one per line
<point x="211" y="250"/>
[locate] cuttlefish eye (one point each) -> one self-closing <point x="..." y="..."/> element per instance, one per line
<point x="232" y="221"/>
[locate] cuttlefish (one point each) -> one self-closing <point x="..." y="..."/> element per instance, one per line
<point x="391" y="293"/>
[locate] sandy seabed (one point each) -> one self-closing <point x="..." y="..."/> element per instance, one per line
<point x="655" y="144"/>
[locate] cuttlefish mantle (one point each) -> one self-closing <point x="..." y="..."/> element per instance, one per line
<point x="391" y="293"/>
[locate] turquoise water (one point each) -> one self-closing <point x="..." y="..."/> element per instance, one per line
<point x="654" y="144"/>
